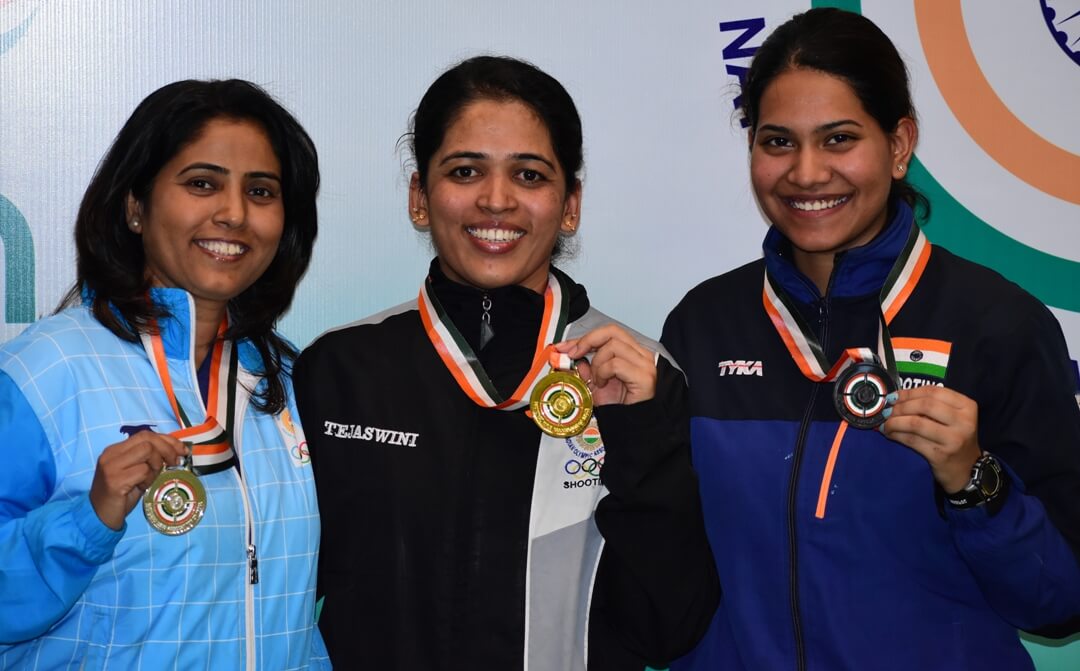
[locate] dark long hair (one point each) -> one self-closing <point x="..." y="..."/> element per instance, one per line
<point x="111" y="260"/>
<point x="850" y="47"/>
<point x="498" y="78"/>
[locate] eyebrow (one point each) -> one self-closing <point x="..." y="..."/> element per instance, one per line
<point x="258" y="174"/>
<point x="476" y="155"/>
<point x="820" y="129"/>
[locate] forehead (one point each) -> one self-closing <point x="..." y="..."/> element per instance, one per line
<point x="809" y="96"/>
<point x="232" y="140"/>
<point x="507" y="125"/>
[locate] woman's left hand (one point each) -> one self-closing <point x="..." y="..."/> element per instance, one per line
<point x="942" y="426"/>
<point x="621" y="371"/>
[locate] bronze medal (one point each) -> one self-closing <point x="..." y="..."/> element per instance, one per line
<point x="174" y="504"/>
<point x="561" y="404"/>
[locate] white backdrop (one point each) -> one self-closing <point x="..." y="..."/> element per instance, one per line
<point x="667" y="200"/>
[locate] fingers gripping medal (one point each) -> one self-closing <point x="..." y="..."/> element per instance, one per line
<point x="176" y="501"/>
<point x="859" y="394"/>
<point x="561" y="402"/>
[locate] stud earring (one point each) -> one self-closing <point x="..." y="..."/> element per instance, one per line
<point x="134" y="225"/>
<point x="901" y="167"/>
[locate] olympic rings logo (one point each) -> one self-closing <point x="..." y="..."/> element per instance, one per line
<point x="586" y="468"/>
<point x="300" y="453"/>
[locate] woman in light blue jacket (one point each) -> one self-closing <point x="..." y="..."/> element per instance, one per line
<point x="156" y="505"/>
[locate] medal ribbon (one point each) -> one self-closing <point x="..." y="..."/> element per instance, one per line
<point x="212" y="449"/>
<point x="799" y="338"/>
<point x="462" y="362"/>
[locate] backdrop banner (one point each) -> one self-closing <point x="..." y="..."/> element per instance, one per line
<point x="667" y="200"/>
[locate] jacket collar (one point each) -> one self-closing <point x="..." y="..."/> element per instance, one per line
<point x="859" y="271"/>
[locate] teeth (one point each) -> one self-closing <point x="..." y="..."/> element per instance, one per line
<point x="815" y="205"/>
<point x="221" y="248"/>
<point x="494" y="234"/>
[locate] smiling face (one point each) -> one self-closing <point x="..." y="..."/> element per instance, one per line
<point x="214" y="217"/>
<point x="822" y="167"/>
<point x="495" y="197"/>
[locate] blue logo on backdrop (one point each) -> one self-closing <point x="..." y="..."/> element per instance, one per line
<point x="737" y="50"/>
<point x="18" y="264"/>
<point x="1063" y="19"/>
<point x="17" y="14"/>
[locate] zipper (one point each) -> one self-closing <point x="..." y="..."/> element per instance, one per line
<point x="249" y="523"/>
<point x="250" y="547"/>
<point x="793" y="553"/>
<point x="800" y="443"/>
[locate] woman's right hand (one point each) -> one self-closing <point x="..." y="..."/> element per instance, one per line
<point x="127" y="469"/>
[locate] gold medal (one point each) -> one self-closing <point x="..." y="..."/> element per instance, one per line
<point x="561" y="404"/>
<point x="176" y="501"/>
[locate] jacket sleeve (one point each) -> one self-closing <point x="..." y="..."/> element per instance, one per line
<point x="49" y="551"/>
<point x="1027" y="556"/>
<point x="657" y="587"/>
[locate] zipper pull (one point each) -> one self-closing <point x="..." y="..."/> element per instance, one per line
<point x="486" y="332"/>
<point x="253" y="565"/>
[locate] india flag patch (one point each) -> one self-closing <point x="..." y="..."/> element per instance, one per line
<point x="922" y="356"/>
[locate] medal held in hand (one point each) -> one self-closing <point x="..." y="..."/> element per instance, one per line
<point x="859" y="394"/>
<point x="174" y="504"/>
<point x="561" y="402"/>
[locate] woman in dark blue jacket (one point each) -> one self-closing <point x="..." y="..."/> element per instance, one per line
<point x="886" y="435"/>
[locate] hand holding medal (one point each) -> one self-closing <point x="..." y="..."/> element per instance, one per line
<point x="941" y="425"/>
<point x="127" y="469"/>
<point x="621" y="370"/>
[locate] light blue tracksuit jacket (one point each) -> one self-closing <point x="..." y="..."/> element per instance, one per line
<point x="76" y="594"/>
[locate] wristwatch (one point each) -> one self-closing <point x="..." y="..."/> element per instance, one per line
<point x="989" y="484"/>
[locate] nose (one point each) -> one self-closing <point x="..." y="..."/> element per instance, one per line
<point x="810" y="167"/>
<point x="496" y="194"/>
<point x="232" y="207"/>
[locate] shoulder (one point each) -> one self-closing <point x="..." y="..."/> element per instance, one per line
<point x="372" y="326"/>
<point x="727" y="290"/>
<point x="71" y="333"/>
<point x="382" y="332"/>
<point x="996" y="305"/>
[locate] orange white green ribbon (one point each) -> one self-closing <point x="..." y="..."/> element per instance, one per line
<point x="799" y="338"/>
<point x="212" y="449"/>
<point x="462" y="362"/>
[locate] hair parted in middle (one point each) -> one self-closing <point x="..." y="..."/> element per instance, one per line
<point x="847" y="46"/>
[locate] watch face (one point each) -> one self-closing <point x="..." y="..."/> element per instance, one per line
<point x="988" y="479"/>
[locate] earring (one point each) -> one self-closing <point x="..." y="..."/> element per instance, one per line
<point x="418" y="216"/>
<point x="901" y="167"/>
<point x="570" y="225"/>
<point x="134" y="225"/>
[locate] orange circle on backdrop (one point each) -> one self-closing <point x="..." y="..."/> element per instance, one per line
<point x="989" y="122"/>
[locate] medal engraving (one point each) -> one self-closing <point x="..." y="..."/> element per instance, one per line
<point x="561" y="404"/>
<point x="859" y="394"/>
<point x="176" y="501"/>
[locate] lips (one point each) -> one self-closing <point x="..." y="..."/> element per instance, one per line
<point x="816" y="204"/>
<point x="223" y="249"/>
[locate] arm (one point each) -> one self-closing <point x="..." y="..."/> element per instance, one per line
<point x="656" y="588"/>
<point x="1024" y="555"/>
<point x="49" y="551"/>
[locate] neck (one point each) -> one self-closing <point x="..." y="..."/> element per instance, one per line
<point x="818" y="267"/>
<point x="208" y="316"/>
